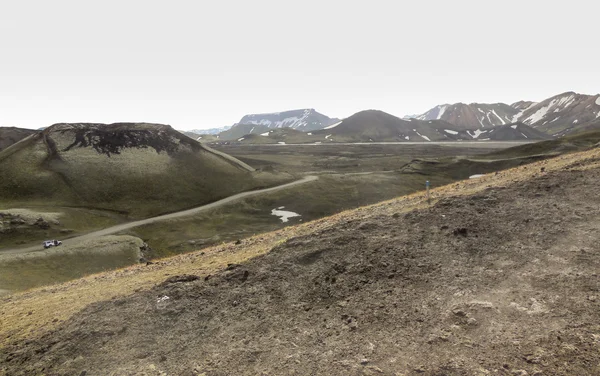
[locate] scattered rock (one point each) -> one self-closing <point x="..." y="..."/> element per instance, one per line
<point x="368" y="225"/>
<point x="41" y="223"/>
<point x="459" y="312"/>
<point x="180" y="279"/>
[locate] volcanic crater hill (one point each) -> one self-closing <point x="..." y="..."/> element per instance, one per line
<point x="304" y="120"/>
<point x="498" y="277"/>
<point x="12" y="135"/>
<point x="136" y="168"/>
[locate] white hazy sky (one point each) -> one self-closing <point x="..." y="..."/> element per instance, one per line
<point x="202" y="64"/>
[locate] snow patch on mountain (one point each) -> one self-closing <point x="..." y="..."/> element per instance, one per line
<point x="333" y="125"/>
<point x="502" y="120"/>
<point x="424" y="137"/>
<point x="519" y="114"/>
<point x="435" y="113"/>
<point x="476" y="133"/>
<point x="557" y="104"/>
<point x="441" y="113"/>
<point x="538" y="115"/>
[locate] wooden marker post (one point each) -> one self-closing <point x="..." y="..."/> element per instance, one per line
<point x="427" y="184"/>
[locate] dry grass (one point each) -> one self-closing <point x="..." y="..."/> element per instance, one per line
<point x="32" y="313"/>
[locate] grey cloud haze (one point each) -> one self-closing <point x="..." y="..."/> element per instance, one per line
<point x="202" y="64"/>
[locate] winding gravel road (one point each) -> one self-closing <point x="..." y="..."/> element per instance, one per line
<point x="183" y="213"/>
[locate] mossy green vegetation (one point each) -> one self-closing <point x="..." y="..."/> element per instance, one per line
<point x="151" y="170"/>
<point x="63" y="263"/>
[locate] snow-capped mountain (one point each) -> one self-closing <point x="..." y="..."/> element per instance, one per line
<point x="378" y="126"/>
<point x="558" y="115"/>
<point x="211" y="130"/>
<point x="471" y="116"/>
<point x="301" y="120"/>
<point x="304" y="120"/>
<point x="562" y="113"/>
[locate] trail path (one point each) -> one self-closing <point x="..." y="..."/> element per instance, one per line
<point x="183" y="213"/>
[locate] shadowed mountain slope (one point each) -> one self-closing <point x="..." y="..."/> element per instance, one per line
<point x="12" y="135"/>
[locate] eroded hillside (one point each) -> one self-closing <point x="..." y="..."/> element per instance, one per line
<point x="499" y="276"/>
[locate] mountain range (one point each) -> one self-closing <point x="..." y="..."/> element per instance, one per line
<point x="373" y="125"/>
<point x="524" y="120"/>
<point x="556" y="116"/>
<point x="304" y="120"/>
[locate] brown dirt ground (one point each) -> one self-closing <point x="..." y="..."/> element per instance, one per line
<point x="498" y="277"/>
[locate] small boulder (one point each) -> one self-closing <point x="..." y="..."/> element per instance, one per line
<point x="180" y="279"/>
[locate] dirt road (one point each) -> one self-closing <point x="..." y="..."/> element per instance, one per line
<point x="183" y="213"/>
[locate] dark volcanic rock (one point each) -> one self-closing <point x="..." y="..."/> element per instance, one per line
<point x="113" y="138"/>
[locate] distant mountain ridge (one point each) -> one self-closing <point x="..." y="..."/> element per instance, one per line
<point x="561" y="114"/>
<point x="304" y="120"/>
<point x="472" y="116"/>
<point x="211" y="130"/>
<point x="378" y="126"/>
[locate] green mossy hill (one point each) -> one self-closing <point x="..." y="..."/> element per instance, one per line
<point x="135" y="168"/>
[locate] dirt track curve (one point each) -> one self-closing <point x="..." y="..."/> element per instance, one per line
<point x="183" y="213"/>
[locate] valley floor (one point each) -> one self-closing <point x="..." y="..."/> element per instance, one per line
<point x="498" y="277"/>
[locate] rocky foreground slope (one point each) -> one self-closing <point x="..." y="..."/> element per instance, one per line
<point x="498" y="277"/>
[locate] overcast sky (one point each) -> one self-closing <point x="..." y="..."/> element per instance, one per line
<point x="202" y="64"/>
